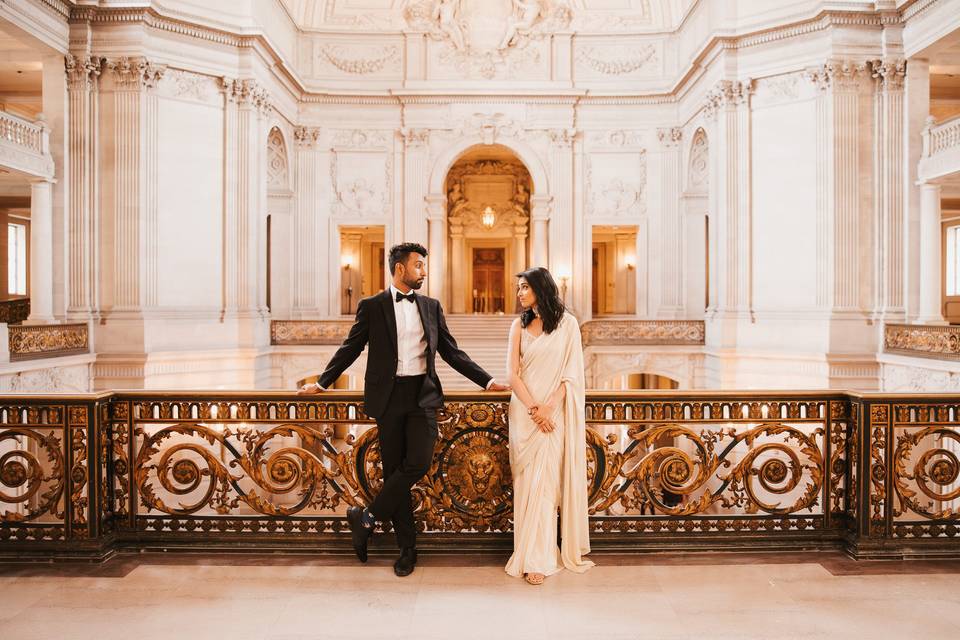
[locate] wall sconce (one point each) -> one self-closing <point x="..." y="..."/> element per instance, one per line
<point x="489" y="218"/>
<point x="347" y="264"/>
<point x="631" y="263"/>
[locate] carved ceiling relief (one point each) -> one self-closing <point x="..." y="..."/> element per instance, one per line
<point x="489" y="38"/>
<point x="497" y="189"/>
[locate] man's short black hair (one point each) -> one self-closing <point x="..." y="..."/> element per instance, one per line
<point x="400" y="252"/>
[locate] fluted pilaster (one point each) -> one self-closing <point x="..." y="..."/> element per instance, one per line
<point x="83" y="74"/>
<point x="888" y="196"/>
<point x="728" y="105"/>
<point x="671" y="263"/>
<point x="838" y="194"/>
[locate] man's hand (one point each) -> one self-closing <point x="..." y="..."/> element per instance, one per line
<point x="310" y="389"/>
<point x="496" y="386"/>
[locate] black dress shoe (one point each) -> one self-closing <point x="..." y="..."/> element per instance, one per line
<point x="359" y="533"/>
<point x="406" y="562"/>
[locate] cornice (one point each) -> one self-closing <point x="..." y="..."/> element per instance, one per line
<point x="822" y="20"/>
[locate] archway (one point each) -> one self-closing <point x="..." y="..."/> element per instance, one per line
<point x="488" y="190"/>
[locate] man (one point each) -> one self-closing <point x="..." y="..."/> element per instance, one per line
<point x="402" y="392"/>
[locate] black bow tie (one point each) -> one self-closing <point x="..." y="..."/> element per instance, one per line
<point x="409" y="298"/>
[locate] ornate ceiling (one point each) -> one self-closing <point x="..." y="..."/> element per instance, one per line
<point x="391" y="15"/>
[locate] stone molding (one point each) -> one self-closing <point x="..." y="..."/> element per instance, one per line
<point x="246" y="93"/>
<point x="83" y="71"/>
<point x="890" y="73"/>
<point x="134" y="72"/>
<point x="727" y="93"/>
<point x="837" y="75"/>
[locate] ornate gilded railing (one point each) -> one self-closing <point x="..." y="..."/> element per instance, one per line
<point x="877" y="475"/>
<point x="14" y="310"/>
<point x="643" y="332"/>
<point x="47" y="341"/>
<point x="924" y="341"/>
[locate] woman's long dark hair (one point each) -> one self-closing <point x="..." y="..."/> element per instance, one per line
<point x="549" y="303"/>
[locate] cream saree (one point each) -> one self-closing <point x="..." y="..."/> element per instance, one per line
<point x="550" y="469"/>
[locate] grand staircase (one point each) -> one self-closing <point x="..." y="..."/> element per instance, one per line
<point x="484" y="338"/>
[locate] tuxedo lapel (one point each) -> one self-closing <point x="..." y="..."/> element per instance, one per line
<point x="390" y="316"/>
<point x="424" y="308"/>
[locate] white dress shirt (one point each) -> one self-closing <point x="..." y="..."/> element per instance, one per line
<point x="411" y="341"/>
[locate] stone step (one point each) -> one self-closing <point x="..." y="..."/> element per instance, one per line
<point x="484" y="339"/>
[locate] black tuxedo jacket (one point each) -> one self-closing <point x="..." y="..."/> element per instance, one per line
<point x="376" y="325"/>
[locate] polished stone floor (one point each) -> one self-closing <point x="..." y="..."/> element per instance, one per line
<point x="812" y="595"/>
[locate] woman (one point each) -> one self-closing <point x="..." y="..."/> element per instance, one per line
<point x="547" y="433"/>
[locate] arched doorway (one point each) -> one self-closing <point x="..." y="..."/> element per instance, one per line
<point x="488" y="191"/>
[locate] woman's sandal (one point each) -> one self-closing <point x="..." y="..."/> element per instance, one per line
<point x="534" y="578"/>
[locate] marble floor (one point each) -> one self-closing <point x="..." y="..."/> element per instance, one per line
<point x="811" y="595"/>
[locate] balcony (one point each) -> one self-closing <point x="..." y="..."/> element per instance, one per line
<point x="940" y="155"/>
<point x="25" y="146"/>
<point x="83" y="476"/>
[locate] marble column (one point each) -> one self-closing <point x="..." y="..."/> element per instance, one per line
<point x="41" y="251"/>
<point x="839" y="235"/>
<point x="671" y="269"/>
<point x="729" y="105"/>
<point x="540" y="210"/>
<point x="458" y="275"/>
<point x="916" y="111"/>
<point x="930" y="255"/>
<point x="308" y="255"/>
<point x="56" y="108"/>
<point x="245" y="105"/>
<point x="415" y="170"/>
<point x="437" y="260"/>
<point x="888" y="194"/>
<point x="129" y="207"/>
<point x="83" y="74"/>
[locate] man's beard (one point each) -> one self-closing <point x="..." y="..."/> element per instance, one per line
<point x="413" y="284"/>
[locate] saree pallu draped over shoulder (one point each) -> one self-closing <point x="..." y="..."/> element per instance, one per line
<point x="550" y="469"/>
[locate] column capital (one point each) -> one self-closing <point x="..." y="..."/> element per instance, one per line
<point x="307" y="137"/>
<point x="836" y="74"/>
<point x="890" y="73"/>
<point x="727" y="93"/>
<point x="670" y="137"/>
<point x="134" y="72"/>
<point x="246" y="92"/>
<point x="415" y="137"/>
<point x="83" y="70"/>
<point x="562" y="137"/>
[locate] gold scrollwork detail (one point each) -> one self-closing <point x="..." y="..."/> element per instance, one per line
<point x="935" y="473"/>
<point x="687" y="472"/>
<point x="38" y="487"/>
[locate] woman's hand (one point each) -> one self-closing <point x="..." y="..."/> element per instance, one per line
<point x="542" y="414"/>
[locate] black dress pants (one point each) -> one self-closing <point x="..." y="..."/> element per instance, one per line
<point x="408" y="433"/>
